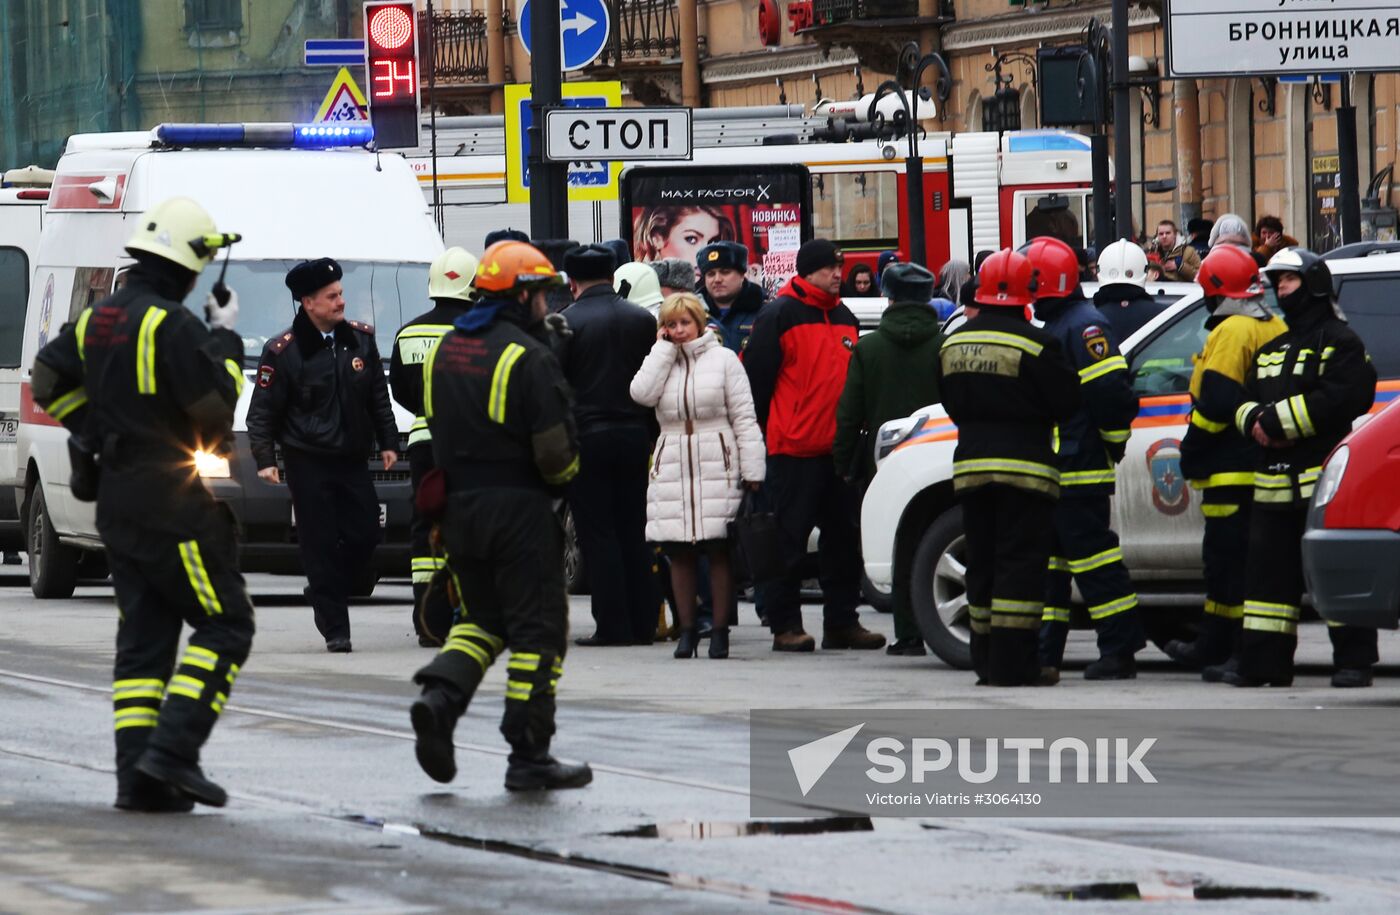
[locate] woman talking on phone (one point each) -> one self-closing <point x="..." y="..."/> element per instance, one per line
<point x="709" y="450"/>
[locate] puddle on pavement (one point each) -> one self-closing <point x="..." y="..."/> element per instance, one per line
<point x="703" y="829"/>
<point x="1133" y="892"/>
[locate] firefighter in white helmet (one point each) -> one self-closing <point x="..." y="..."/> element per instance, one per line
<point x="450" y="286"/>
<point x="143" y="386"/>
<point x="1122" y="296"/>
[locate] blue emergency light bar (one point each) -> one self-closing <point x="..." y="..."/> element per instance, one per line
<point x="275" y="136"/>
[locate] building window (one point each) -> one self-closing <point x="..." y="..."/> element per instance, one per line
<point x="213" y="14"/>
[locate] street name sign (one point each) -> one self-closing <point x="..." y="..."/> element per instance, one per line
<point x="1274" y="37"/>
<point x="617" y="134"/>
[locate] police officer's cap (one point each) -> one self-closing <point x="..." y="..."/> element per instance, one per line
<point x="723" y="255"/>
<point x="591" y="262"/>
<point x="309" y="277"/>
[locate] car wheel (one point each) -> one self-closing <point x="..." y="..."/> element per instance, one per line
<point x="938" y="590"/>
<point x="574" y="578"/>
<point x="880" y="600"/>
<point x="53" y="566"/>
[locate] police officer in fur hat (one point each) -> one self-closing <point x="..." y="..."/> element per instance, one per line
<point x="321" y="394"/>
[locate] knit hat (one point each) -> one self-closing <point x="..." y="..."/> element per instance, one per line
<point x="675" y="272"/>
<point x="722" y="255"/>
<point x="592" y="262"/>
<point x="816" y="254"/>
<point x="907" y="283"/>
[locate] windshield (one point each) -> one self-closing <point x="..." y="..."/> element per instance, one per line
<point x="383" y="294"/>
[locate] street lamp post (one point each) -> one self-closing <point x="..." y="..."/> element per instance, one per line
<point x="914" y="163"/>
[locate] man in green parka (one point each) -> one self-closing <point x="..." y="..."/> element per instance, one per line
<point x="893" y="372"/>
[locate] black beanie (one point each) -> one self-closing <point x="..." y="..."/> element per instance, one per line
<point x="815" y="255"/>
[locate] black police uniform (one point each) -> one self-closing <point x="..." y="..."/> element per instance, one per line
<point x="411" y="347"/>
<point x="326" y="402"/>
<point x="499" y="410"/>
<point x="610" y="339"/>
<point x="1307" y="386"/>
<point x="142" y="380"/>
<point x="1006" y="383"/>
<point x="1088" y="445"/>
<point x="1219" y="462"/>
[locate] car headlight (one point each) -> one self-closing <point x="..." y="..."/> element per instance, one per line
<point x="1332" y="476"/>
<point x="211" y="466"/>
<point x="894" y="433"/>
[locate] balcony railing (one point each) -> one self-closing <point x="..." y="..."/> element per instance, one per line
<point x="456" y="44"/>
<point x="832" y="12"/>
<point x="643" y="30"/>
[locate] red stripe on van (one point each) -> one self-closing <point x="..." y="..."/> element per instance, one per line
<point x="70" y="192"/>
<point x="29" y="411"/>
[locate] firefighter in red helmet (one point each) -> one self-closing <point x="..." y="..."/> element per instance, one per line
<point x="1215" y="458"/>
<point x="1006" y="383"/>
<point x="1087" y="446"/>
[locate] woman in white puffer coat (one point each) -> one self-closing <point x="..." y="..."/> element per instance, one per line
<point x="709" y="450"/>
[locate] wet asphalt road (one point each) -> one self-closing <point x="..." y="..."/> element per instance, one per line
<point x="330" y="812"/>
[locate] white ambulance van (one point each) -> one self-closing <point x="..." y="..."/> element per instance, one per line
<point x="22" y="201"/>
<point x="294" y="192"/>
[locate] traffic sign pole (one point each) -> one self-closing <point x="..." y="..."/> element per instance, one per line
<point x="549" y="190"/>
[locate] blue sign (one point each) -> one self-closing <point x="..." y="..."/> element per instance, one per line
<point x="583" y="30"/>
<point x="334" y="52"/>
<point x="581" y="174"/>
<point x="1306" y="78"/>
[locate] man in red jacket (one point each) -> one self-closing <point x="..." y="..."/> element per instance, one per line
<point x="796" y="360"/>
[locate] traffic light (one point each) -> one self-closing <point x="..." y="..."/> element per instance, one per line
<point x="391" y="66"/>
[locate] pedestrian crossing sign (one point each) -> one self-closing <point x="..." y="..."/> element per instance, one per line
<point x="344" y="101"/>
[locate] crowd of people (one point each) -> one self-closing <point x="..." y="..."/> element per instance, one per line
<point x="661" y="401"/>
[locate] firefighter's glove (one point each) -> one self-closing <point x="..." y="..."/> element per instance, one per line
<point x="1115" y="450"/>
<point x="558" y="325"/>
<point x="222" y="315"/>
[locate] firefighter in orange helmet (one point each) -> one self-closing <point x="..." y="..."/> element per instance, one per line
<point x="1006" y="383"/>
<point x="500" y="414"/>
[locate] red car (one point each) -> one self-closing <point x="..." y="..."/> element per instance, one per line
<point x="1351" y="551"/>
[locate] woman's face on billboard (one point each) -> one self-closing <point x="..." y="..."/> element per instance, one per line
<point x="688" y="235"/>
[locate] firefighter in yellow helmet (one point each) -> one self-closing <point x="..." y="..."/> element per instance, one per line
<point x="501" y="418"/>
<point x="450" y="287"/>
<point x="143" y="385"/>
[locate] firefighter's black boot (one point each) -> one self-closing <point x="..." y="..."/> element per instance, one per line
<point x="1213" y="646"/>
<point x="1112" y="667"/>
<point x="1352" y="678"/>
<point x="434" y="716"/>
<point x="182" y="775"/>
<point x="142" y="794"/>
<point x="541" y="771"/>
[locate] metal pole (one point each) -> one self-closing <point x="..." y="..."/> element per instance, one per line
<point x="914" y="200"/>
<point x="1122" y="125"/>
<point x="1349" y="204"/>
<point x="1103" y="200"/>
<point x="549" y="201"/>
<point x="432" y="116"/>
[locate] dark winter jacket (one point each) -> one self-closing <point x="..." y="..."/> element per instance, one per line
<point x="1126" y="308"/>
<point x="735" y="323"/>
<point x="796" y="359"/>
<point x="1006" y="383"/>
<point x="893" y="372"/>
<point x="1307" y="386"/>
<point x="610" y="338"/>
<point x="321" y="402"/>
<point x="145" y="383"/>
<point x="411" y="346"/>
<point x="1092" y="441"/>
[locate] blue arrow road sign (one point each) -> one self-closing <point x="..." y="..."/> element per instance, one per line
<point x="334" y="52"/>
<point x="583" y="28"/>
